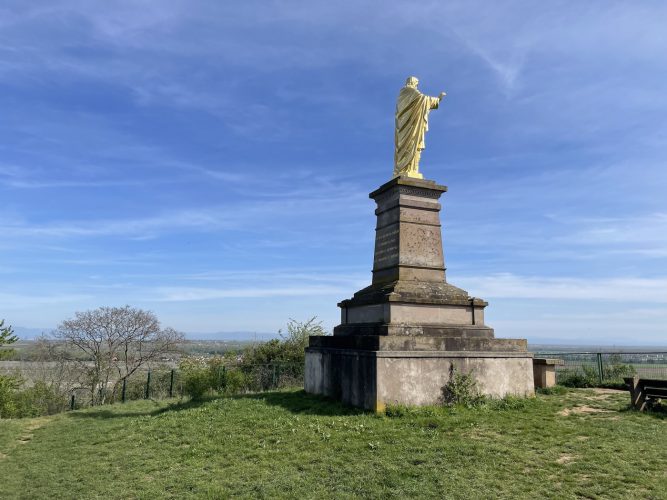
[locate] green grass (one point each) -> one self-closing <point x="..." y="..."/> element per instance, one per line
<point x="288" y="444"/>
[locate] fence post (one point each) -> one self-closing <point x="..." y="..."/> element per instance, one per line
<point x="171" y="384"/>
<point x="72" y="403"/>
<point x="148" y="385"/>
<point x="122" y="396"/>
<point x="600" y="372"/>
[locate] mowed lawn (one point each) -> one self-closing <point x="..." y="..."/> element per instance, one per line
<point x="584" y="443"/>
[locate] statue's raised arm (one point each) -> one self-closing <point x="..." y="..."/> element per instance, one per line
<point x="412" y="110"/>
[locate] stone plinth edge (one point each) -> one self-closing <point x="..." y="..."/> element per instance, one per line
<point x="409" y="182"/>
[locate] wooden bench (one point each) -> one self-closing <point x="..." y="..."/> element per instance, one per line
<point x="644" y="392"/>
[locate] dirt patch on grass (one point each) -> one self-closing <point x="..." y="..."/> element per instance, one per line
<point x="565" y="458"/>
<point x="582" y="410"/>
<point x="483" y="435"/>
<point x="608" y="392"/>
<point x="36" y="423"/>
<point x="2" y="456"/>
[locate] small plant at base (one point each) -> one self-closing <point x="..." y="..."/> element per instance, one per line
<point x="462" y="389"/>
<point x="396" y="410"/>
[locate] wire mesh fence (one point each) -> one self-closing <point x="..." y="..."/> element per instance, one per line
<point x="161" y="383"/>
<point x="47" y="388"/>
<point x="607" y="368"/>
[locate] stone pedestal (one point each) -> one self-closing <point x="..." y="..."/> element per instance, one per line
<point x="400" y="337"/>
<point x="544" y="371"/>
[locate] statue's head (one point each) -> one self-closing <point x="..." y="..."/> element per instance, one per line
<point x="412" y="81"/>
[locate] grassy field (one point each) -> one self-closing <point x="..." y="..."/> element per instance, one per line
<point x="584" y="443"/>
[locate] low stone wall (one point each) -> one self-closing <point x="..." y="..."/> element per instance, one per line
<point x="544" y="371"/>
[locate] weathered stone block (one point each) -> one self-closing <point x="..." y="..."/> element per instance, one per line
<point x="544" y="371"/>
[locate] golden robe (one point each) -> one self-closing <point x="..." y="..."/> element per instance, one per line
<point x="412" y="110"/>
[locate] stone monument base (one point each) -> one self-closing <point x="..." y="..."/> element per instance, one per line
<point x="401" y="338"/>
<point x="374" y="379"/>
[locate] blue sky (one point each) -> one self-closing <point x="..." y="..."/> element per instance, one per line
<point x="211" y="161"/>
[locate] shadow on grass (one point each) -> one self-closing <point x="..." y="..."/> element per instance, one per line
<point x="157" y="410"/>
<point x="293" y="401"/>
<point x="658" y="411"/>
<point x="302" y="403"/>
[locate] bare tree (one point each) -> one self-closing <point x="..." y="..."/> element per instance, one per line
<point x="117" y="342"/>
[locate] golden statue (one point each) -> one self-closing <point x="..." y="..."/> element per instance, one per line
<point x="412" y="111"/>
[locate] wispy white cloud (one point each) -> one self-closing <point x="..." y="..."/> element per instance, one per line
<point x="509" y="286"/>
<point x="23" y="301"/>
<point x="648" y="229"/>
<point x="181" y="294"/>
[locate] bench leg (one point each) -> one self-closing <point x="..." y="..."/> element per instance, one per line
<point x="637" y="395"/>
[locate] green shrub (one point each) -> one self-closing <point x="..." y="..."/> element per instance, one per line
<point x="8" y="388"/>
<point x="587" y="377"/>
<point x="206" y="376"/>
<point x="615" y="369"/>
<point x="135" y="387"/>
<point x="37" y="400"/>
<point x="396" y="411"/>
<point x="197" y="379"/>
<point x="235" y="382"/>
<point x="461" y="389"/>
<point x="40" y="399"/>
<point x="289" y="350"/>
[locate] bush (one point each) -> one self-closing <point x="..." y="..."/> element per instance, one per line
<point x="40" y="399"/>
<point x="615" y="369"/>
<point x="197" y="379"/>
<point x="587" y="377"/>
<point x="235" y="382"/>
<point x="8" y="388"/>
<point x="289" y="350"/>
<point x="462" y="389"/>
<point x="205" y="376"/>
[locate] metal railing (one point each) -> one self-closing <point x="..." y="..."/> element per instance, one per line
<point x="607" y="368"/>
<point x="70" y="391"/>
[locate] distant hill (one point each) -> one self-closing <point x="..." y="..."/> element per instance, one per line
<point x="26" y="333"/>
<point x="241" y="336"/>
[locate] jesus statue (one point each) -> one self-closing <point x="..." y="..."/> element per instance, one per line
<point x="412" y="111"/>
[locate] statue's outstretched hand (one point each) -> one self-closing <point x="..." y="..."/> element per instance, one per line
<point x="442" y="94"/>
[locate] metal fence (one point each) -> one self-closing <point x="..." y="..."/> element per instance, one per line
<point x="172" y="383"/>
<point x="608" y="367"/>
<point x="69" y="388"/>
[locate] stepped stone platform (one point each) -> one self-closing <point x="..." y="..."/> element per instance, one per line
<point x="401" y="337"/>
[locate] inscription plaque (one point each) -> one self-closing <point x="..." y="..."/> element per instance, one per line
<point x="386" y="247"/>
